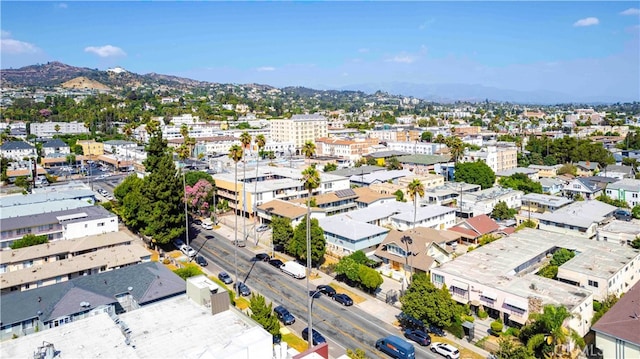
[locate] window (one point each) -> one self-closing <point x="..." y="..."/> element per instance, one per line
<point x="438" y="278"/>
<point x="101" y="224"/>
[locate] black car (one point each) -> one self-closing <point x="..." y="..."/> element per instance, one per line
<point x="315" y="294"/>
<point x="278" y="247"/>
<point x="437" y="331"/>
<point x="276" y="263"/>
<point x="418" y="336"/>
<point x="343" y="299"/>
<point x="262" y="257"/>
<point x="409" y="322"/>
<point x="196" y="222"/>
<point x="201" y="261"/>
<point x="622" y="215"/>
<point x="326" y="289"/>
<point x="244" y="290"/>
<point x="225" y="278"/>
<point x="317" y="337"/>
<point x="284" y="315"/>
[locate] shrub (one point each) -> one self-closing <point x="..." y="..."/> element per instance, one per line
<point x="482" y="314"/>
<point x="467" y="318"/>
<point x="496" y="327"/>
<point x="514" y="332"/>
<point x="456" y="329"/>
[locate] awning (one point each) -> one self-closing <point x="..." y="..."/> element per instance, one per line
<point x="374" y="258"/>
<point x="489" y="294"/>
<point x="475" y="303"/>
<point x="518" y="319"/>
<point x="516" y="303"/>
<point x="461" y="285"/>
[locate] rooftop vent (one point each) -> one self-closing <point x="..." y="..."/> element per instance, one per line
<point x="85" y="304"/>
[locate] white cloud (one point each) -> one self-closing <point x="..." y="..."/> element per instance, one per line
<point x="105" y="51"/>
<point x="404" y="58"/>
<point x="587" y="21"/>
<point x="363" y="50"/>
<point x="631" y="11"/>
<point x="266" y="68"/>
<point x="62" y="5"/>
<point x="13" y="46"/>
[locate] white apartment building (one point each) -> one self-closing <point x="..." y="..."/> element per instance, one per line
<point x="627" y="190"/>
<point x="17" y="150"/>
<point x="344" y="148"/>
<point x="416" y="147"/>
<point x="482" y="202"/>
<point x="498" y="157"/>
<point x="48" y="129"/>
<point x="299" y="129"/>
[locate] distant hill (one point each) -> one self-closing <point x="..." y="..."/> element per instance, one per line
<point x="53" y="74"/>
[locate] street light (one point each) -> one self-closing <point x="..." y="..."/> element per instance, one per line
<point x="309" y="325"/>
<point x="186" y="214"/>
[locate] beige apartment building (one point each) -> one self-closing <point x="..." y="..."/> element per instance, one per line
<point x="498" y="157"/>
<point x="299" y="129"/>
<point x="348" y="149"/>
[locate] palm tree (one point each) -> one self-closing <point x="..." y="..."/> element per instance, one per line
<point x="309" y="150"/>
<point x="260" y="142"/>
<point x="311" y="181"/>
<point x="551" y="328"/>
<point x="235" y="153"/>
<point x="245" y="139"/>
<point x="415" y="189"/>
<point x="456" y="147"/>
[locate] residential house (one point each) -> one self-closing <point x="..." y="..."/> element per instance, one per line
<point x="17" y="150"/>
<point x="400" y="215"/>
<point x="24" y="169"/>
<point x="500" y="277"/>
<point x="619" y="171"/>
<point x="428" y="180"/>
<point x="448" y="194"/>
<point x="627" y="190"/>
<point x="587" y="168"/>
<point x="343" y="235"/>
<point x="542" y="203"/>
<point x="422" y="165"/>
<point x="295" y="212"/>
<point x="483" y="202"/>
<point x="332" y="203"/>
<point x="580" y="219"/>
<point x="415" y="250"/>
<point x="551" y="186"/>
<point x="55" y="146"/>
<point x="546" y="171"/>
<point x="617" y="231"/>
<point x="379" y="177"/>
<point x="617" y="334"/>
<point x="584" y="188"/>
<point x="529" y="172"/>
<point x="472" y="229"/>
<point x="113" y="292"/>
<point x="367" y="197"/>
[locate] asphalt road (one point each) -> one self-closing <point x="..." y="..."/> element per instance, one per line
<point x="343" y="327"/>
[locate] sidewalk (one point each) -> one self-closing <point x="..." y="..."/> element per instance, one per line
<point x="376" y="307"/>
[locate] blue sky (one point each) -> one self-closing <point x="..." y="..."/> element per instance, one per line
<point x="582" y="48"/>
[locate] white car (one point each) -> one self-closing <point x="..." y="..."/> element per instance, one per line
<point x="262" y="228"/>
<point x="446" y="350"/>
<point x="187" y="250"/>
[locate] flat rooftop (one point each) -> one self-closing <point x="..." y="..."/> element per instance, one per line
<point x="172" y="328"/>
<point x="580" y="214"/>
<point x="546" y="199"/>
<point x="495" y="264"/>
<point x="616" y="226"/>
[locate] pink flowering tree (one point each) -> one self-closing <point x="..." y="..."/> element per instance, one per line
<point x="199" y="195"/>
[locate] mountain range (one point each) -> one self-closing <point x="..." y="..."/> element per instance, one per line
<point x="57" y="74"/>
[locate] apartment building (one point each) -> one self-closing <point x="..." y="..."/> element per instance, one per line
<point x="17" y="150"/>
<point x="627" y="190"/>
<point x="91" y="148"/>
<point x="55" y="147"/>
<point x="344" y="148"/>
<point x="579" y="219"/>
<point x="416" y="147"/>
<point x="499" y="158"/>
<point x="482" y="202"/>
<point x="541" y="203"/>
<point x="299" y="129"/>
<point x="49" y="129"/>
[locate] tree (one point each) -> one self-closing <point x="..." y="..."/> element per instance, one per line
<point x="393" y="164"/>
<point x="568" y="168"/>
<point x="439" y="138"/>
<point x="29" y="240"/>
<point x="348" y="268"/>
<point x="263" y="314"/>
<point x="456" y="147"/>
<point x="309" y="150"/>
<point x="426" y="136"/>
<point x="547" y="332"/>
<point x="261" y="141"/>
<point x="199" y="196"/>
<point x="163" y="211"/>
<point x="501" y="211"/>
<point x="521" y="182"/>
<point x="330" y="167"/>
<point x="636" y="243"/>
<point x="509" y="349"/>
<point x="282" y="231"/>
<point x="561" y="256"/>
<point x="425" y="302"/>
<point x="369" y="278"/>
<point x="245" y="139"/>
<point x="192" y="177"/>
<point x="190" y="270"/>
<point x="297" y="246"/>
<point x="475" y="173"/>
<point x="357" y="354"/>
<point x="399" y="195"/>
<point x="415" y="189"/>
<point x="235" y="153"/>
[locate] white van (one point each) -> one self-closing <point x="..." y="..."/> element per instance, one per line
<point x="207" y="223"/>
<point x="294" y="269"/>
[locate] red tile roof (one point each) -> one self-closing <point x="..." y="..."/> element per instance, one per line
<point x="477" y="226"/>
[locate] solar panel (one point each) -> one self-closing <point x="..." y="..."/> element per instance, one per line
<point x="345" y="193"/>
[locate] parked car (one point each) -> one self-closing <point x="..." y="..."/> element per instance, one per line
<point x="201" y="261"/>
<point x="263" y="257"/>
<point x="418" y="336"/>
<point x="622" y="215"/>
<point x="284" y="315"/>
<point x="437" y="331"/>
<point x="262" y="228"/>
<point x="409" y="322"/>
<point x="178" y="243"/>
<point x="278" y="247"/>
<point x="326" y="289"/>
<point x="317" y="337"/>
<point x="196" y="222"/>
<point x="242" y="288"/>
<point x="225" y="278"/>
<point x="446" y="350"/>
<point x="188" y="251"/>
<point x="343" y="299"/>
<point x="276" y="263"/>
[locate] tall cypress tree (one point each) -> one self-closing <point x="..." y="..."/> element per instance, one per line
<point x="163" y="215"/>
